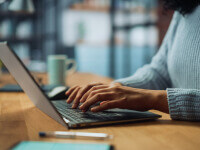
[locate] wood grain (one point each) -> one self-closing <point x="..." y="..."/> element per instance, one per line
<point x="21" y="120"/>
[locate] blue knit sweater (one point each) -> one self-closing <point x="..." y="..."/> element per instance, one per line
<point x="176" y="68"/>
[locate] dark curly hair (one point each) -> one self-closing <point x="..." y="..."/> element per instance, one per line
<point x="183" y="6"/>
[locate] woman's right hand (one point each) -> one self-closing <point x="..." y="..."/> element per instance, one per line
<point x="78" y="94"/>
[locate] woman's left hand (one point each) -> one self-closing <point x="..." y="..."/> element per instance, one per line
<point x="117" y="96"/>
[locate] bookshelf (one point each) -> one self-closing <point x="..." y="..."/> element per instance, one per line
<point x="47" y="27"/>
<point x="30" y="29"/>
<point x="11" y="29"/>
<point x="125" y="8"/>
<point x="15" y="18"/>
<point x="111" y="10"/>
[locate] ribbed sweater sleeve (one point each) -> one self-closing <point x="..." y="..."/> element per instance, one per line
<point x="155" y="75"/>
<point x="184" y="104"/>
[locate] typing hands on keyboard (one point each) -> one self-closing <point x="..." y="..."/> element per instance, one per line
<point x="115" y="95"/>
<point x="78" y="116"/>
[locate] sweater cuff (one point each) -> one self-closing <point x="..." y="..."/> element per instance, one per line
<point x="184" y="104"/>
<point x="173" y="109"/>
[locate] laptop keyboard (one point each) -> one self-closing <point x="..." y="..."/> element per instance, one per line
<point x="78" y="116"/>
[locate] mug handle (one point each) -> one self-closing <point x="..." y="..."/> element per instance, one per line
<point x="73" y="62"/>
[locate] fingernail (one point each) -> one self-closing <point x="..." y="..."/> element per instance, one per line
<point x="81" y="107"/>
<point x="93" y="109"/>
<point x="73" y="106"/>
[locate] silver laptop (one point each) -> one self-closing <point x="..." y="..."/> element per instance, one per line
<point x="59" y="110"/>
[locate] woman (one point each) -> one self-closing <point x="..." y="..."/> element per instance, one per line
<point x="171" y="83"/>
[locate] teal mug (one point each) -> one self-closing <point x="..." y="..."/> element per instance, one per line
<point x="58" y="67"/>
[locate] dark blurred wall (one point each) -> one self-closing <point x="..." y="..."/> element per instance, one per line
<point x="164" y="19"/>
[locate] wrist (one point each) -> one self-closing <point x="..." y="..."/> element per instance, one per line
<point x="116" y="84"/>
<point x="160" y="101"/>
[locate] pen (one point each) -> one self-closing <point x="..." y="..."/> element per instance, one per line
<point x="75" y="135"/>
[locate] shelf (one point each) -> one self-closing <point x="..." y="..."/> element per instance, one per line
<point x="128" y="27"/>
<point x="79" y="7"/>
<point x="82" y="7"/>
<point x="5" y="14"/>
<point x="18" y="40"/>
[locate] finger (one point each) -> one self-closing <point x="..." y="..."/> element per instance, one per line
<point x="103" y="102"/>
<point x="98" y="90"/>
<point x="73" y="95"/>
<point x="70" y="90"/>
<point x="85" y="96"/>
<point x="73" y="88"/>
<point x="82" y="92"/>
<point x="89" y="86"/>
<point x="78" y="97"/>
<point x="95" y="83"/>
<point x="108" y="105"/>
<point x="95" y="99"/>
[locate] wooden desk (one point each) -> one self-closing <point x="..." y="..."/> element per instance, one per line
<point x="21" y="120"/>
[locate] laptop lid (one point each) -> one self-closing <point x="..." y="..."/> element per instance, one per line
<point x="21" y="74"/>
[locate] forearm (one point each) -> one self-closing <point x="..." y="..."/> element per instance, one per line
<point x="157" y="98"/>
<point x="147" y="78"/>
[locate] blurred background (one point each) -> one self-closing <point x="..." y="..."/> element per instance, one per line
<point x="107" y="37"/>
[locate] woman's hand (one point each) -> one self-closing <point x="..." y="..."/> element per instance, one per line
<point x="79" y="94"/>
<point x="76" y="93"/>
<point x="117" y="96"/>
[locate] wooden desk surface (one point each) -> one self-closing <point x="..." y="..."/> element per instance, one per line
<point x="21" y="120"/>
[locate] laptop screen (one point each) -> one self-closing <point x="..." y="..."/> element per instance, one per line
<point x="27" y="82"/>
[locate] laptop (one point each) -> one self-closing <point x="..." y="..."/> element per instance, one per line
<point x="59" y="110"/>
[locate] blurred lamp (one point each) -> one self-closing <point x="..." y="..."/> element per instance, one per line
<point x="21" y="6"/>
